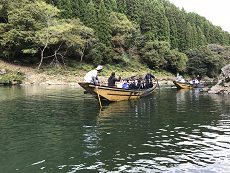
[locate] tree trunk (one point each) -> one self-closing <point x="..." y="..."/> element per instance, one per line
<point x="42" y="56"/>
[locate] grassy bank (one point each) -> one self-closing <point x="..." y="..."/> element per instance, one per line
<point x="71" y="73"/>
<point x="124" y="70"/>
<point x="10" y="77"/>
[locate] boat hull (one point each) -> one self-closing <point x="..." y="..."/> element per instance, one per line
<point x="182" y="85"/>
<point x="115" y="94"/>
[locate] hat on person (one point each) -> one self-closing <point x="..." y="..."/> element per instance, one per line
<point x="99" y="67"/>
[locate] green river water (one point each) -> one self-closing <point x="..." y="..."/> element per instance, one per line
<point x="56" y="129"/>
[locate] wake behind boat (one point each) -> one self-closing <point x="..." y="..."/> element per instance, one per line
<point x="116" y="94"/>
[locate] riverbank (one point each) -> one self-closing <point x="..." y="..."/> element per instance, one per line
<point x="43" y="77"/>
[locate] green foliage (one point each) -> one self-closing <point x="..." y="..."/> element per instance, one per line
<point x="158" y="55"/>
<point x="34" y="26"/>
<point x="123" y="35"/>
<point x="154" y="54"/>
<point x="177" y="61"/>
<point x="24" y="20"/>
<point x="147" y="21"/>
<point x="90" y="17"/>
<point x="100" y="54"/>
<point x="103" y="29"/>
<point x="11" y="77"/>
<point x="108" y="31"/>
<point x="206" y="60"/>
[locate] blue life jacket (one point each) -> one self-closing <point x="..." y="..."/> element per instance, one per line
<point x="125" y="85"/>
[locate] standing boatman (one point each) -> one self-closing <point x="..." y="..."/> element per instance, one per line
<point x="91" y="76"/>
<point x="148" y="79"/>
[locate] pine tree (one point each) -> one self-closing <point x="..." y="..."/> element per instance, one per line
<point x="82" y="8"/>
<point x="65" y="5"/>
<point x="170" y="14"/>
<point x="188" y="36"/>
<point x="207" y="31"/>
<point x="121" y="6"/>
<point x="103" y="27"/>
<point x="201" y="38"/>
<point x="75" y="9"/>
<point x="161" y="22"/>
<point x="134" y="10"/>
<point x="180" y="22"/>
<point x="147" y="25"/>
<point x="111" y="5"/>
<point x="194" y="37"/>
<point x="90" y="18"/>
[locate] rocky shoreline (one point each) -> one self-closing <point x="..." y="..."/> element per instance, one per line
<point x="72" y="80"/>
<point x="223" y="84"/>
<point x="32" y="77"/>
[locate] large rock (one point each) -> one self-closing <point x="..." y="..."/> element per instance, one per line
<point x="223" y="84"/>
<point x="2" y="71"/>
<point x="225" y="75"/>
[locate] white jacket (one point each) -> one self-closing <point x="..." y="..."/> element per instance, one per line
<point x="91" y="77"/>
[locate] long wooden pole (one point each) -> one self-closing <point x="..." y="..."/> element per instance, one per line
<point x="99" y="99"/>
<point x="158" y="84"/>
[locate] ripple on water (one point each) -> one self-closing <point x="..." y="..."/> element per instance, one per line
<point x="59" y="129"/>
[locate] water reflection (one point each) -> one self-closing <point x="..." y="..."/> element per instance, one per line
<point x="58" y="129"/>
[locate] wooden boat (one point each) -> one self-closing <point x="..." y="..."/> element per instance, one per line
<point x="115" y="94"/>
<point x="184" y="85"/>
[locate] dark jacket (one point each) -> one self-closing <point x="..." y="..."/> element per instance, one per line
<point x="149" y="77"/>
<point x="112" y="80"/>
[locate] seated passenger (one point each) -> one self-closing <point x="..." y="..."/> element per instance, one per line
<point x="125" y="85"/>
<point x="180" y="78"/>
<point x="139" y="85"/>
<point x="132" y="85"/>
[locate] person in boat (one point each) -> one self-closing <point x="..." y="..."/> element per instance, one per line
<point x="180" y="78"/>
<point x="125" y="85"/>
<point x="112" y="79"/>
<point x="140" y="84"/>
<point x="198" y="78"/>
<point x="132" y="85"/>
<point x="91" y="76"/>
<point x="148" y="80"/>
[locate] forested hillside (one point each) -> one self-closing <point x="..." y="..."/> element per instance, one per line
<point x="153" y="32"/>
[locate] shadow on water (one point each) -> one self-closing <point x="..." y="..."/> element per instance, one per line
<point x="58" y="129"/>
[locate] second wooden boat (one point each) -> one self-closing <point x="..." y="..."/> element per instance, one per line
<point x="184" y="85"/>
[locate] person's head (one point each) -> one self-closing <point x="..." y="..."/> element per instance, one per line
<point x="149" y="72"/>
<point x="99" y="68"/>
<point x="113" y="74"/>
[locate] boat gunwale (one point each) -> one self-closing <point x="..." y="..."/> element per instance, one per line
<point x="121" y="89"/>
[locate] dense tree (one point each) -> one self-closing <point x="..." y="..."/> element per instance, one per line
<point x="34" y="27"/>
<point x="90" y="18"/>
<point x="161" y="22"/>
<point x="206" y="60"/>
<point x="134" y="10"/>
<point x="121" y="6"/>
<point x="156" y="30"/>
<point x="189" y="35"/>
<point x="158" y="55"/>
<point x="173" y="27"/>
<point x="123" y="32"/>
<point x="103" y="28"/>
<point x="180" y="22"/>
<point x="147" y="25"/>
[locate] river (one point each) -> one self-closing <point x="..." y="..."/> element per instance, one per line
<point x="57" y="129"/>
